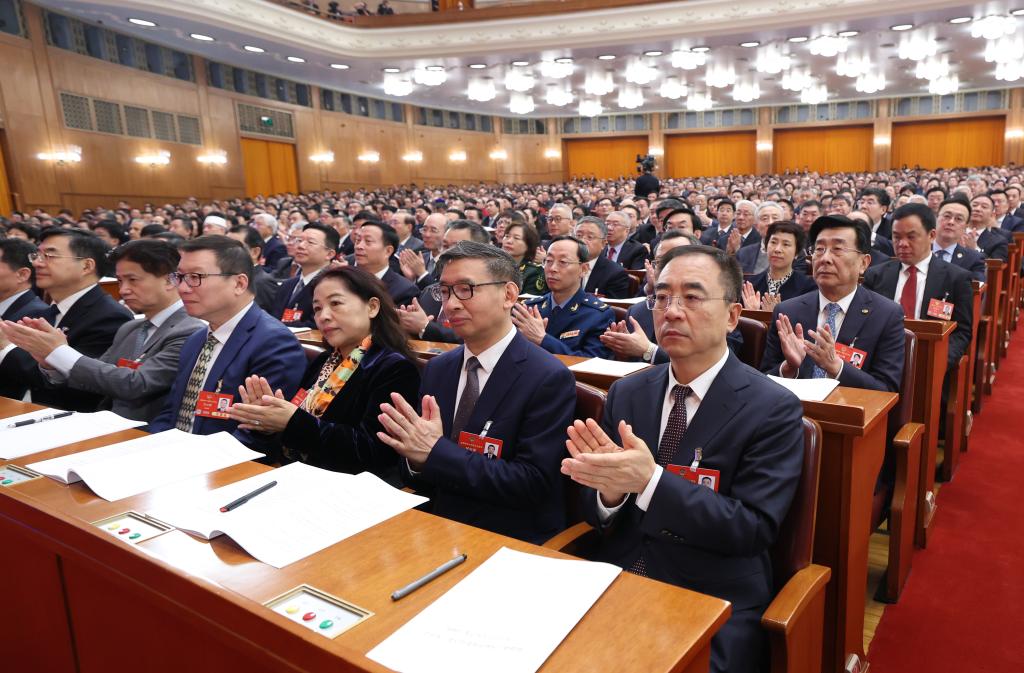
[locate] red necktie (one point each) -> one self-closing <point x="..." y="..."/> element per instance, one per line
<point x="908" y="300"/>
<point x="611" y="253"/>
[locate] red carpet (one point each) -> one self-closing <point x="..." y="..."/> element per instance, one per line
<point x="961" y="608"/>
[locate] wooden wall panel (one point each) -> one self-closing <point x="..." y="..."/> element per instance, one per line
<point x="826" y="150"/>
<point x="702" y="154"/>
<point x="6" y="203"/>
<point x="603" y="157"/>
<point x="526" y="161"/>
<point x="955" y="142"/>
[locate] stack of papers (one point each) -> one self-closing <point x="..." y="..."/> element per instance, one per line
<point x="808" y="390"/>
<point x="507" y="616"/>
<point x="18" y="442"/>
<point x="139" y="465"/>
<point x="608" y="367"/>
<point x="308" y="510"/>
<point x="629" y="301"/>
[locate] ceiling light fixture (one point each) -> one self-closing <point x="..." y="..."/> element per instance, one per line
<point x="599" y="83"/>
<point x="1018" y="12"/>
<point x="521" y="104"/>
<point x="519" y="80"/>
<point x="848" y="33"/>
<point x="994" y="27"/>
<point x="751" y="44"/>
<point x="870" y="83"/>
<point x="339" y="66"/>
<point x="639" y="72"/>
<point x="557" y="69"/>
<point x="255" y="50"/>
<point x="590" y="107"/>
<point x="943" y="86"/>
<point x="852" y="66"/>
<point x="699" y="102"/>
<point x="630" y="97"/>
<point x="653" y="53"/>
<point x="296" y="59"/>
<point x="772" y="60"/>
<point x="520" y="64"/>
<point x="1004" y="50"/>
<point x="1010" y="72"/>
<point x="481" y="90"/>
<point x="828" y="45"/>
<point x="932" y="69"/>
<point x="413" y="156"/>
<point x="477" y="66"/>
<point x="688" y="59"/>
<point x="796" y="80"/>
<point x="720" y="76"/>
<point x="200" y="37"/>
<point x="917" y="47"/>
<point x="746" y="92"/>
<point x="816" y="94"/>
<point x="672" y="88"/>
<point x="798" y="39"/>
<point x="398" y="86"/>
<point x="430" y="76"/>
<point x="700" y="50"/>
<point x="142" y="22"/>
<point x="606" y="57"/>
<point x="558" y="95"/>
<point x="961" y="19"/>
<point x="901" y="27"/>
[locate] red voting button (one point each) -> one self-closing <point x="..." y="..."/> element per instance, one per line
<point x="213" y="405"/>
<point x="130" y="364"/>
<point x="940" y="309"/>
<point x="852" y="355"/>
<point x="309" y="616"/>
<point x="291" y="315"/>
<point x="123" y="531"/>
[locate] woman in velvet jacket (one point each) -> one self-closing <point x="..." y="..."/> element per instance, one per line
<point x="332" y="421"/>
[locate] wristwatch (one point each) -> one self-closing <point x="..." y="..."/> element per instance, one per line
<point x="649" y="355"/>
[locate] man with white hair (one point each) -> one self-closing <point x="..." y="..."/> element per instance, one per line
<point x="743" y="232"/>
<point x="215" y="225"/>
<point x="273" y="248"/>
<point x="754" y="258"/>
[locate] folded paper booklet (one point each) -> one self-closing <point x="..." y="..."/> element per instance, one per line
<point x="46" y="435"/>
<point x="139" y="465"/>
<point x="608" y="367"/>
<point x="808" y="390"/>
<point x="507" y="616"/>
<point x="307" y="510"/>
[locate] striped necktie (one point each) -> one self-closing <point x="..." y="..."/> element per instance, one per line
<point x="187" y="409"/>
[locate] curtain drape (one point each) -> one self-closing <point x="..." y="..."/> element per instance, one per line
<point x="603" y="157"/>
<point x="705" y="154"/>
<point x="948" y="143"/>
<point x="826" y="150"/>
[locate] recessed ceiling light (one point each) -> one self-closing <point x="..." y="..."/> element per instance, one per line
<point x="142" y="22"/>
<point x="902" y="26"/>
<point x="700" y="50"/>
<point x="296" y="59"/>
<point x="255" y="50"/>
<point x="477" y="66"/>
<point x="1017" y="12"/>
<point x="848" y="33"/>
<point x="200" y="37"/>
<point x="563" y="60"/>
<point x="606" y="57"/>
<point x="961" y="19"/>
<point x="653" y="52"/>
<point x="750" y="44"/>
<point x="435" y="68"/>
<point x="798" y="38"/>
<point x="339" y="66"/>
<point x="520" y="63"/>
<point x="392" y="70"/>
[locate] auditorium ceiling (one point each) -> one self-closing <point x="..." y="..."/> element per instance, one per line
<point x="654" y="57"/>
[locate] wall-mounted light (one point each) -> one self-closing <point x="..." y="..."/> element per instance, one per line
<point x="161" y="158"/>
<point x="552" y="153"/>
<point x="413" y="156"/>
<point x="499" y="155"/>
<point x="457" y="155"/>
<point x="763" y="146"/>
<point x="370" y="157"/>
<point x="70" y="155"/>
<point x="656" y="151"/>
<point x="322" y="158"/>
<point x="216" y="157"/>
<point x="882" y="140"/>
<point x="1013" y="134"/>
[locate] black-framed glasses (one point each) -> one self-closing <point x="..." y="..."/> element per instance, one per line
<point x="462" y="291"/>
<point x="193" y="279"/>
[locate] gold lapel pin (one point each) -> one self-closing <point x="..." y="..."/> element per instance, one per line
<point x="864" y="311"/>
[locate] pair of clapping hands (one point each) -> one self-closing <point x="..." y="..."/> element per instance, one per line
<point x="33" y="335"/>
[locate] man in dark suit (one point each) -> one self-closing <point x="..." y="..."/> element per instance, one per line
<point x="403" y="223"/>
<point x="374" y="251"/>
<point x="628" y="254"/>
<point x="263" y="283"/>
<point x="603" y="276"/>
<point x="273" y="248"/>
<point x="916" y="278"/>
<point x="743" y="232"/>
<point x="722" y="225"/>
<point x="678" y="491"/>
<point x="17" y="299"/>
<point x="420" y="266"/>
<point x="840" y="314"/>
<point x="874" y="202"/>
<point x="982" y="233"/>
<point x="954" y="214"/>
<point x="68" y="265"/>
<point x="1005" y="220"/>
<point x="497" y="389"/>
<point x="315" y="247"/>
<point x="213" y="282"/>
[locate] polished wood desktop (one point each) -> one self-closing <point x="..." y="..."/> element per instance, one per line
<point x="77" y="599"/>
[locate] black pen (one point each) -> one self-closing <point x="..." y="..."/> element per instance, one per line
<point x="245" y="498"/>
<point x="432" y="575"/>
<point x="30" y="421"/>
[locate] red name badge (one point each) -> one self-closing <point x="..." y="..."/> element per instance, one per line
<point x="940" y="309"/>
<point x="130" y="364"/>
<point x="300" y="397"/>
<point x="291" y="315"/>
<point x="851" y="355"/>
<point x="213" y="405"/>
<point x="489" y="446"/>
<point x="700" y="476"/>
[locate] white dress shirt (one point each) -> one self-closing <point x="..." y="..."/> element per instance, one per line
<point x="698" y="391"/>
<point x="844" y="308"/>
<point x="488" y="359"/>
<point x="64" y="305"/>
<point x="7" y="303"/>
<point x="222" y="334"/>
<point x="922" y="276"/>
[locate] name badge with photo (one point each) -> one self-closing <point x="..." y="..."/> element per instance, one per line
<point x="300" y="397"/>
<point x="940" y="309"/>
<point x="213" y="405"/>
<point x="130" y="364"/>
<point x="291" y="315"/>
<point x="851" y="355"/>
<point x="700" y="476"/>
<point x="488" y="446"/>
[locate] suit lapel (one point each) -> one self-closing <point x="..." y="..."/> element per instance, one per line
<point x="158" y="335"/>
<point x="239" y="336"/>
<point x="890" y="277"/>
<point x="504" y="376"/>
<point x="718" y="408"/>
<point x="807" y="316"/>
<point x="933" y="285"/>
<point x="448" y="376"/>
<point x="646" y="412"/>
<point x="859" y="313"/>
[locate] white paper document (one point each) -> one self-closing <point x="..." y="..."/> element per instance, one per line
<point x="808" y="390"/>
<point x="308" y="510"/>
<point x="507" y="616"/>
<point x="298" y="330"/>
<point x="608" y="367"/>
<point x="18" y="442"/>
<point x="628" y="301"/>
<point x="139" y="465"/>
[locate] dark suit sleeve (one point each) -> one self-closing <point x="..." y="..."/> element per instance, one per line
<point x="962" y="298"/>
<point x="886" y="364"/>
<point x="526" y="480"/>
<point x="773" y="357"/>
<point x="435" y="331"/>
<point x="278" y="358"/>
<point x="617" y="284"/>
<point x="978" y="270"/>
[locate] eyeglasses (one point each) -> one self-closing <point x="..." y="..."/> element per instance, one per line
<point x="49" y="256"/>
<point x="590" y="237"/>
<point x="558" y="218"/>
<point x="687" y="302"/>
<point x="561" y="264"/>
<point x="948" y="217"/>
<point x="837" y="251"/>
<point x="462" y="291"/>
<point x="193" y="279"/>
<point x="296" y="240"/>
<point x="509" y="237"/>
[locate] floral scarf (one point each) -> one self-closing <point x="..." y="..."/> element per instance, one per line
<point x="775" y="286"/>
<point x="333" y="377"/>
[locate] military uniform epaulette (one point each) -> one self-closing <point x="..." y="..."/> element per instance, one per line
<point x="595" y="303"/>
<point x="536" y="300"/>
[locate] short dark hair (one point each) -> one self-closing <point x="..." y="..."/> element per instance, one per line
<point x="31" y="231"/>
<point x="388" y="234"/>
<point x="83" y="244"/>
<point x="957" y="200"/>
<point x="156" y="257"/>
<point x="730" y="273"/>
<point x="879" y="193"/>
<point x="500" y="264"/>
<point x="476" y="231"/>
<point x="252" y="237"/>
<point x="582" y="251"/>
<point x="923" y="212"/>
<point x="936" y="189"/>
<point x="787" y="227"/>
<point x="860" y="229"/>
<point x="331" y="238"/>
<point x="151" y="230"/>
<point x="232" y="256"/>
<point x="385" y="328"/>
<point x="726" y="202"/>
<point x="675" y="233"/>
<point x="812" y="203"/>
<point x="365" y="215"/>
<point x="113" y="229"/>
<point x="15" y="252"/>
<point x="984" y="196"/>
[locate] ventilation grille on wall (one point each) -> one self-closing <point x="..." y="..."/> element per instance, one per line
<point x="963" y="101"/>
<point x="265" y="121"/>
<point x="88" y="114"/>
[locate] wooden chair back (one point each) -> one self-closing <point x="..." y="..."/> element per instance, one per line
<point x="794" y="545"/>
<point x="755" y="338"/>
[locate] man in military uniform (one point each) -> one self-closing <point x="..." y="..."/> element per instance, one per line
<point x="566" y="320"/>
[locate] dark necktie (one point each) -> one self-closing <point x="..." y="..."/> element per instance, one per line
<point x="51" y="314"/>
<point x="140" y="339"/>
<point x="470" y="394"/>
<point x="670" y="441"/>
<point x="296" y="291"/>
<point x="187" y="410"/>
<point x="908" y="299"/>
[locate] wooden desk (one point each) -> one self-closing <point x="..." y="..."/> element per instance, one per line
<point x="178" y="603"/>
<point x="853" y="423"/>
<point x="310" y="337"/>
